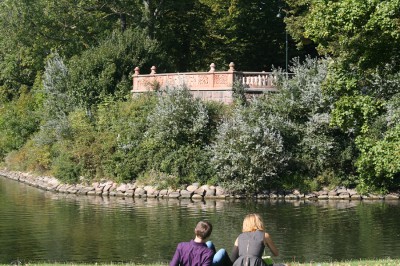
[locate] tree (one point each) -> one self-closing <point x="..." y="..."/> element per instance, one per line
<point x="104" y="71"/>
<point x="363" y="38"/>
<point x="248" y="33"/>
<point x="363" y="33"/>
<point x="31" y="30"/>
<point x="179" y="26"/>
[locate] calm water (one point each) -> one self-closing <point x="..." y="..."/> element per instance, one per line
<point x="42" y="226"/>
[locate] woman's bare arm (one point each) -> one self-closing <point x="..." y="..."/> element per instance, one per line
<point x="270" y="244"/>
<point x="235" y="251"/>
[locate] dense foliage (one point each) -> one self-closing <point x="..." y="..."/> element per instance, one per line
<point x="363" y="37"/>
<point x="66" y="109"/>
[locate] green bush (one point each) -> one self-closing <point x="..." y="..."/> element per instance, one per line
<point x="159" y="180"/>
<point x="66" y="169"/>
<point x="302" y="112"/>
<point x="178" y="132"/>
<point x="19" y="119"/>
<point x="31" y="158"/>
<point x="248" y="151"/>
<point x="120" y="131"/>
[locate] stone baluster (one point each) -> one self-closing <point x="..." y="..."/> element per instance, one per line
<point x="153" y="70"/>
<point x="137" y="71"/>
<point x="212" y="67"/>
<point x="273" y="80"/>
<point x="263" y="79"/>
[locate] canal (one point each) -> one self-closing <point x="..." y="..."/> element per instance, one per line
<point x="40" y="226"/>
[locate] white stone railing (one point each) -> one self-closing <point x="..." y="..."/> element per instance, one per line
<point x="258" y="80"/>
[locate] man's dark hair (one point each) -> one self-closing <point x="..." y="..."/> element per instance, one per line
<point x="203" y="229"/>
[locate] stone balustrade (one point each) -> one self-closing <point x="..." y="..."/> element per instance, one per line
<point x="211" y="85"/>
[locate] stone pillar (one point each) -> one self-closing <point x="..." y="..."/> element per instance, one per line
<point x="153" y="70"/>
<point x="137" y="71"/>
<point x="212" y="67"/>
<point x="231" y="67"/>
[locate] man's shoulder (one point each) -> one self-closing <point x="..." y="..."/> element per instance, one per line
<point x="184" y="245"/>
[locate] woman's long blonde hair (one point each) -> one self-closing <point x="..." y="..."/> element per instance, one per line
<point x="253" y="222"/>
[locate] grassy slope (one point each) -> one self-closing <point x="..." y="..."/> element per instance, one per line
<point x="385" y="262"/>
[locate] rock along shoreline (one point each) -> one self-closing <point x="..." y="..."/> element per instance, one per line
<point x="194" y="191"/>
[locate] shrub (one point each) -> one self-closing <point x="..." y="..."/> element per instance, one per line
<point x="248" y="151"/>
<point x="121" y="127"/>
<point x="31" y="157"/>
<point x="66" y="169"/>
<point x="178" y="131"/>
<point x="302" y="113"/>
<point x="159" y="180"/>
<point x="18" y="121"/>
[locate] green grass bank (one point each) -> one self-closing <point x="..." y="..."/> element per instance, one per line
<point x="380" y="262"/>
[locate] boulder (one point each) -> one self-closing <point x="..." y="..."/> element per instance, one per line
<point x="174" y="194"/>
<point x="344" y="195"/>
<point x="197" y="197"/>
<point x="192" y="188"/>
<point x="91" y="193"/>
<point x="356" y="197"/>
<point x="122" y="188"/>
<point x="323" y="197"/>
<point x="186" y="194"/>
<point x="219" y="191"/>
<point x="200" y="191"/>
<point x="140" y="192"/>
<point x="341" y="190"/>
<point x="263" y="195"/>
<point x="154" y="193"/>
<point x="392" y="196"/>
<point x="210" y="192"/>
<point x="292" y="197"/>
<point x="163" y="192"/>
<point x="107" y="187"/>
<point x="129" y="193"/>
<point x="332" y="193"/>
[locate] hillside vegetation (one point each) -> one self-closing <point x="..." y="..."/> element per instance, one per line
<point x="66" y="108"/>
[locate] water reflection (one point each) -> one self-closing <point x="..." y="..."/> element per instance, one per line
<point x="43" y="226"/>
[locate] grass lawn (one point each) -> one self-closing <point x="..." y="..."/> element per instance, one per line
<point x="382" y="262"/>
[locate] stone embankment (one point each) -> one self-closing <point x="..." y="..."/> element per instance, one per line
<point x="194" y="191"/>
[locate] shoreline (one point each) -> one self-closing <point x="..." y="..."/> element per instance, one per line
<point x="193" y="191"/>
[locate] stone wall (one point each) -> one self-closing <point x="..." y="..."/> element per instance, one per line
<point x="193" y="191"/>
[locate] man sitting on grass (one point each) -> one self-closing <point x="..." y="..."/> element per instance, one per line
<point x="195" y="252"/>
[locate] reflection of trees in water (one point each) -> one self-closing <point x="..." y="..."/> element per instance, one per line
<point x="56" y="226"/>
<point x="207" y="204"/>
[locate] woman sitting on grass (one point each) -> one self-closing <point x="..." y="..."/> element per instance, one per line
<point x="250" y="244"/>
